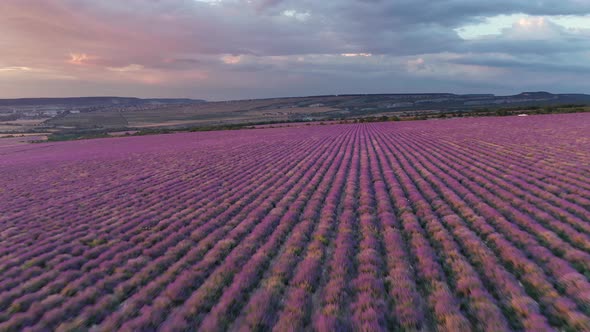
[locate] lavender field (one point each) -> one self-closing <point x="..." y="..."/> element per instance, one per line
<point x="469" y="224"/>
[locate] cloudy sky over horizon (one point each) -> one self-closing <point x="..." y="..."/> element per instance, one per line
<point x="234" y="49"/>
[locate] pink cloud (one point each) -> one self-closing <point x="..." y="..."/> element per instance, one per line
<point x="78" y="58"/>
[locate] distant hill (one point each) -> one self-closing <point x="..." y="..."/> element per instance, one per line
<point x="120" y="113"/>
<point x="95" y="101"/>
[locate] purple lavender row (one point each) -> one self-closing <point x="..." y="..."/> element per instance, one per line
<point x="234" y="297"/>
<point x="543" y="184"/>
<point x="204" y="297"/>
<point x="521" y="310"/>
<point x="482" y="308"/>
<point x="369" y="309"/>
<point x="561" y="308"/>
<point x="267" y="227"/>
<point x="84" y="212"/>
<point x="334" y="291"/>
<point x="430" y="224"/>
<point x="409" y="311"/>
<point x="80" y="214"/>
<point x="542" y="135"/>
<point x="91" y="234"/>
<point x="178" y="257"/>
<point x="527" y="181"/>
<point x="550" y="178"/>
<point x="94" y="249"/>
<point x="442" y="302"/>
<point x="295" y="312"/>
<point x="499" y="197"/>
<point x="523" y="190"/>
<point x="259" y="312"/>
<point x="575" y="285"/>
<point x="238" y="226"/>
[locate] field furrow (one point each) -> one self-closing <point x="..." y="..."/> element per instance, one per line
<point x="478" y="224"/>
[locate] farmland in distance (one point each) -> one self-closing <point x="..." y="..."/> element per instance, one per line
<point x="453" y="225"/>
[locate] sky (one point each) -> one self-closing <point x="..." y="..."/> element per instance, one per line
<point x="241" y="49"/>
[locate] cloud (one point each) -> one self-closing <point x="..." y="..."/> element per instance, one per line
<point x="296" y="15"/>
<point x="266" y="4"/>
<point x="78" y="58"/>
<point x="205" y="48"/>
<point x="533" y="28"/>
<point x="130" y="68"/>
<point x="356" y="54"/>
<point x="533" y="35"/>
<point x="416" y="64"/>
<point x="14" y="69"/>
<point x="231" y="59"/>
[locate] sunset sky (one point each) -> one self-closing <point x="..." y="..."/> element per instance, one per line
<point x="234" y="49"/>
